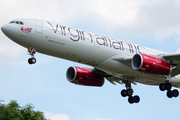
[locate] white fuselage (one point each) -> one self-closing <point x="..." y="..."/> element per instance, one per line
<point x="83" y="47"/>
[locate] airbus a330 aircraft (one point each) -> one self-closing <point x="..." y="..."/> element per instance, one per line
<point x="114" y="60"/>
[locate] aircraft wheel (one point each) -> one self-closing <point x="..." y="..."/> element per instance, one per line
<point x="162" y="87"/>
<point x="131" y="99"/>
<point x="129" y="92"/>
<point x="124" y="93"/>
<point x="175" y="93"/>
<point x="169" y="94"/>
<point x="32" y="60"/>
<point x="168" y="86"/>
<point x="136" y="99"/>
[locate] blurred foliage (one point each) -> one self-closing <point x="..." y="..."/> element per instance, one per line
<point x="13" y="111"/>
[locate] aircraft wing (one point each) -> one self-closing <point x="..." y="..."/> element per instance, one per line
<point x="112" y="79"/>
<point x="125" y="79"/>
<point x="174" y="59"/>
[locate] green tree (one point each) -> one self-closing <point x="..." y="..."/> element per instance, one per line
<point x="13" y="111"/>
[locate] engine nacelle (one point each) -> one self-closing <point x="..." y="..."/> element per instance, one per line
<point x="82" y="76"/>
<point x="150" y="64"/>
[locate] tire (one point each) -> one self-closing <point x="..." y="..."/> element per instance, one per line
<point x="33" y="60"/>
<point x="162" y="87"/>
<point x="30" y="61"/>
<point x="169" y="94"/>
<point x="131" y="99"/>
<point x="136" y="99"/>
<point x="129" y="92"/>
<point x="168" y="86"/>
<point x="124" y="93"/>
<point x="175" y="93"/>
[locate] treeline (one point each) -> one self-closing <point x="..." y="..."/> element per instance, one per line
<point x="13" y="111"/>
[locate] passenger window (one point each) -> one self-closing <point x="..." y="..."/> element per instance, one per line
<point x="17" y="22"/>
<point x="21" y="23"/>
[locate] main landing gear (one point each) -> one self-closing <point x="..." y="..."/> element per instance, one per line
<point x="128" y="92"/>
<point x="32" y="51"/>
<point x="167" y="86"/>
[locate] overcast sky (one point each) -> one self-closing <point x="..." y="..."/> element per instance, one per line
<point x="151" y="23"/>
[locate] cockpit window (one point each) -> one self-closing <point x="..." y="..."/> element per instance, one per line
<point x="21" y="23"/>
<point x="12" y="22"/>
<point x="17" y="22"/>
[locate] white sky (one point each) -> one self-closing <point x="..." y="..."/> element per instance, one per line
<point x="151" y="23"/>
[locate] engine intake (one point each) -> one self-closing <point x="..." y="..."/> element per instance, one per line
<point x="149" y="64"/>
<point x="82" y="76"/>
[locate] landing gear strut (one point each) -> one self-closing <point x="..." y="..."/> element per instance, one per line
<point x="32" y="51"/>
<point x="128" y="92"/>
<point x="167" y="86"/>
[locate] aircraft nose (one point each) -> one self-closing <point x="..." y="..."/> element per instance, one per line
<point x="8" y="30"/>
<point x="4" y="29"/>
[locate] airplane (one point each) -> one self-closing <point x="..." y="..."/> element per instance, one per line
<point x="115" y="60"/>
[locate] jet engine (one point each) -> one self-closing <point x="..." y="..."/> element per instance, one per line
<point x="149" y="64"/>
<point x="82" y="76"/>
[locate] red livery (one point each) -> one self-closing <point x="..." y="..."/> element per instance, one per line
<point x="26" y="30"/>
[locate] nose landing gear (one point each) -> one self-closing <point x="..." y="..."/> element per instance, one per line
<point x="32" y="51"/>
